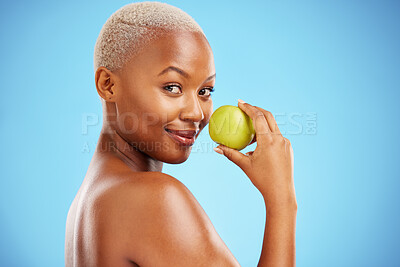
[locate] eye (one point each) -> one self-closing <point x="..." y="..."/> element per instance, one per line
<point x="173" y="88"/>
<point x="206" y="91"/>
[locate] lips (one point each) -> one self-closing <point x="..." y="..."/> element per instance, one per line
<point x="183" y="137"/>
<point x="183" y="133"/>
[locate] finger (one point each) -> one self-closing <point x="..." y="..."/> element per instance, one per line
<point x="289" y="145"/>
<point x="271" y="120"/>
<point x="254" y="140"/>
<point x="249" y="153"/>
<point x="235" y="156"/>
<point x="260" y="123"/>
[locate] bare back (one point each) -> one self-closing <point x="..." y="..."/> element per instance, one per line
<point x="85" y="235"/>
<point x="125" y="218"/>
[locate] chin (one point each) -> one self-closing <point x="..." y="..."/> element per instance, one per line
<point x="177" y="157"/>
<point x="179" y="160"/>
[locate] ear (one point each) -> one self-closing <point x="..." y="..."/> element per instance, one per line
<point x="105" y="80"/>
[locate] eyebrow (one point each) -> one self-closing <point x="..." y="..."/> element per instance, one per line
<point x="182" y="72"/>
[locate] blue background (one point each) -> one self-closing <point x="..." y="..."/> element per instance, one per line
<point x="328" y="70"/>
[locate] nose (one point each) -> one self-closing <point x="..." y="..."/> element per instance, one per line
<point x="192" y="110"/>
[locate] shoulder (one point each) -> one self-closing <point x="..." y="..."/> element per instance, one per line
<point x="151" y="195"/>
<point x="159" y="221"/>
<point x="152" y="186"/>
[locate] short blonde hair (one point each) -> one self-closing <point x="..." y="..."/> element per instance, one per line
<point x="134" y="25"/>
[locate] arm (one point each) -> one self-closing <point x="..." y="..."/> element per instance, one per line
<point x="270" y="169"/>
<point x="279" y="237"/>
<point x="187" y="215"/>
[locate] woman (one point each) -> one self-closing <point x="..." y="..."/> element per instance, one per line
<point x="154" y="75"/>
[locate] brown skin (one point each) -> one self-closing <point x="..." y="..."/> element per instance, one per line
<point x="270" y="169"/>
<point x="127" y="212"/>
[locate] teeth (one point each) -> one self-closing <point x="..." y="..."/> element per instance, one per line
<point x="183" y="136"/>
<point x="177" y="134"/>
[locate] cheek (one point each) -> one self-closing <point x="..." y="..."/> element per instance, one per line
<point x="142" y="123"/>
<point x="152" y="112"/>
<point x="153" y="118"/>
<point x="208" y="110"/>
<point x="150" y="121"/>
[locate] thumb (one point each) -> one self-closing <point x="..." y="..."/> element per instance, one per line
<point x="235" y="156"/>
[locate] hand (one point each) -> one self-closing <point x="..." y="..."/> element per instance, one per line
<point x="270" y="165"/>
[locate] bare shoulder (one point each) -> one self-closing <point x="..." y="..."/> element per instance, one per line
<point x="157" y="221"/>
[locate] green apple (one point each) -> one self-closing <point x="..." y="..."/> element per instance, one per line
<point x="232" y="127"/>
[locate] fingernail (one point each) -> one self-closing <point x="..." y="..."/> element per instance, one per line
<point x="241" y="101"/>
<point x="218" y="150"/>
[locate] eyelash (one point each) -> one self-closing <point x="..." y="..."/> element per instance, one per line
<point x="210" y="89"/>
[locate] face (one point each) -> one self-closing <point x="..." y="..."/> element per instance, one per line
<point x="162" y="96"/>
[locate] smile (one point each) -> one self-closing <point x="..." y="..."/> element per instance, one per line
<point x="182" y="137"/>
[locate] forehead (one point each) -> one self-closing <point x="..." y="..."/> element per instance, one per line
<point x="188" y="50"/>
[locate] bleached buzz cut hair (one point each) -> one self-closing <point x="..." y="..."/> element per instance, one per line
<point x="133" y="26"/>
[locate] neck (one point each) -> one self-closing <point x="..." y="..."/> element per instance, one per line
<point x="111" y="142"/>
